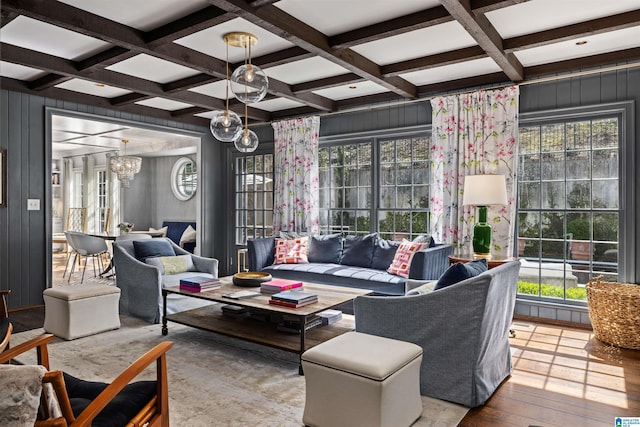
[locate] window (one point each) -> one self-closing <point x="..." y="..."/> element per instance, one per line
<point x="254" y="197"/>
<point x="103" y="211"/>
<point x="184" y="178"/>
<point x="380" y="184"/>
<point x="569" y="202"/>
<point x="345" y="188"/>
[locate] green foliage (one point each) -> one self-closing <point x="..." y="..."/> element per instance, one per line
<point x="579" y="228"/>
<point x="552" y="291"/>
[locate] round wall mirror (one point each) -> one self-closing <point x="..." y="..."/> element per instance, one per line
<point x="184" y="178"/>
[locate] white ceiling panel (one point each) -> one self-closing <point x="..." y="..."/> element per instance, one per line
<point x="599" y="43"/>
<point x="211" y="41"/>
<point x="19" y="72"/>
<point x="215" y="89"/>
<point x="305" y="70"/>
<point x="143" y="15"/>
<point x="206" y="114"/>
<point x="164" y="104"/>
<point x="142" y="135"/>
<point x="351" y="91"/>
<point x="539" y="15"/>
<point x="61" y="136"/>
<point x="277" y="104"/>
<point x="333" y="17"/>
<point x="46" y="38"/>
<point x="452" y="72"/>
<point x="415" y="44"/>
<point x="92" y="88"/>
<point x="151" y="68"/>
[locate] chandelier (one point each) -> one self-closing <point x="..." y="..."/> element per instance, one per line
<point x="125" y="166"/>
<point x="249" y="84"/>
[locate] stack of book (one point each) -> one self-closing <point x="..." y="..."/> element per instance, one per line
<point x="293" y="298"/>
<point x="199" y="284"/>
<point x="279" y="285"/>
<point x="234" y="311"/>
<point x="330" y="316"/>
<point x="293" y="326"/>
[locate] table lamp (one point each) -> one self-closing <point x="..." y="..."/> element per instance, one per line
<point x="483" y="191"/>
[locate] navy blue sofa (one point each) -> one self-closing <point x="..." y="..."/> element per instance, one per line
<point x="175" y="230"/>
<point x="336" y="267"/>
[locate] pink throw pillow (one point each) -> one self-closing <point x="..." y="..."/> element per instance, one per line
<point x="401" y="263"/>
<point x="291" y="251"/>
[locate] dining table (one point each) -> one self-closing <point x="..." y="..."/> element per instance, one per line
<point x="113" y="237"/>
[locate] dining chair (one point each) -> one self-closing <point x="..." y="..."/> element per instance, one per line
<point x="89" y="247"/>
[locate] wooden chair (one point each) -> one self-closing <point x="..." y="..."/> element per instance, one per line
<point x="5" y="326"/>
<point x="153" y="412"/>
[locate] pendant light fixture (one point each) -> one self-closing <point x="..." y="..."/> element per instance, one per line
<point x="125" y="166"/>
<point x="226" y="125"/>
<point x="249" y="84"/>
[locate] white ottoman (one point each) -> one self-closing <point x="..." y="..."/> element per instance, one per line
<point x="358" y="379"/>
<point x="80" y="310"/>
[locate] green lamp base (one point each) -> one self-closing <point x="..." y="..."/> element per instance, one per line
<point x="482" y="235"/>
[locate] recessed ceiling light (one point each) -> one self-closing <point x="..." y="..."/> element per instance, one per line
<point x="353" y="87"/>
<point x="581" y="42"/>
<point x="100" y="84"/>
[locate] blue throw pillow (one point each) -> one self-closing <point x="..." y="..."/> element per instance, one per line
<point x="325" y="248"/>
<point x="152" y="248"/>
<point x="358" y="250"/>
<point x="459" y="272"/>
<point x="383" y="254"/>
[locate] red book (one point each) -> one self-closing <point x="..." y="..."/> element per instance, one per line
<point x="290" y="304"/>
<point x="279" y="285"/>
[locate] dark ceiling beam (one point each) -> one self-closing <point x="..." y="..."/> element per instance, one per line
<point x="284" y="25"/>
<point x="327" y="82"/>
<point x="6" y="17"/>
<point x="487" y="37"/>
<point x="368" y="99"/>
<point x="64" y="67"/>
<point x="188" y="111"/>
<point x="197" y="21"/>
<point x="105" y="58"/>
<point x="47" y="81"/>
<point x="441" y="88"/>
<point x="188" y="83"/>
<point x="620" y="56"/>
<point x="415" y="21"/>
<point x="281" y="57"/>
<point x="432" y="61"/>
<point x="96" y="101"/>
<point x="128" y="98"/>
<point x="575" y="31"/>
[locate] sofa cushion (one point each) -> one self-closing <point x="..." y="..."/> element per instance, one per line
<point x="383" y="253"/>
<point x="425" y="238"/>
<point x="325" y="248"/>
<point x="291" y="251"/>
<point x="152" y="248"/>
<point x="188" y="236"/>
<point x="401" y="264"/>
<point x="459" y="272"/>
<point x="172" y="264"/>
<point x="162" y="230"/>
<point x="358" y="250"/>
<point x="425" y="288"/>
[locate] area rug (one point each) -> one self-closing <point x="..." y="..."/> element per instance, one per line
<point x="213" y="380"/>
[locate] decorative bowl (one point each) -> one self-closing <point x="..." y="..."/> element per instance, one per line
<point x="250" y="279"/>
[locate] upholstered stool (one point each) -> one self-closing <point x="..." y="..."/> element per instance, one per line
<point x="80" y="310"/>
<point x="358" y="379"/>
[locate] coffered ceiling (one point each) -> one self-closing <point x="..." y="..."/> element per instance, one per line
<point x="166" y="58"/>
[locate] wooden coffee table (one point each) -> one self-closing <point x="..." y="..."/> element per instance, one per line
<point x="210" y="318"/>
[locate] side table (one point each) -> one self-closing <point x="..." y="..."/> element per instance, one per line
<point x="490" y="262"/>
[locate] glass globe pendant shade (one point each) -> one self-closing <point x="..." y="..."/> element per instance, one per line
<point x="226" y="126"/>
<point x="249" y="84"/>
<point x="248" y="142"/>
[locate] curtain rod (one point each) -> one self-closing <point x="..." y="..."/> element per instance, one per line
<point x="460" y="92"/>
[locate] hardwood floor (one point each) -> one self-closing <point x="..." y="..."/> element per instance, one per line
<point x="59" y="260"/>
<point x="562" y="376"/>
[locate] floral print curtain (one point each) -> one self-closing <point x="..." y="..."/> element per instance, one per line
<point x="296" y="196"/>
<point x="473" y="133"/>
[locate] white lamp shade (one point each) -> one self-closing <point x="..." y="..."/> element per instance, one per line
<point x="484" y="190"/>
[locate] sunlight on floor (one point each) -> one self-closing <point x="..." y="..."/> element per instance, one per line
<point x="561" y="361"/>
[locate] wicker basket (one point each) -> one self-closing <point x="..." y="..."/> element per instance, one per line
<point x="614" y="310"/>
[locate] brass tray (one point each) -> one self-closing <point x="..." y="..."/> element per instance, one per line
<point x="250" y="279"/>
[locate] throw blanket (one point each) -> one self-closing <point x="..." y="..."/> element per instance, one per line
<point x="21" y="387"/>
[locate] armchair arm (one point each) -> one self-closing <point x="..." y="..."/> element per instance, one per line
<point x="156" y="354"/>
<point x="429" y="264"/>
<point x="260" y="252"/>
<point x="140" y="285"/>
<point x="39" y="343"/>
<point x="205" y="265"/>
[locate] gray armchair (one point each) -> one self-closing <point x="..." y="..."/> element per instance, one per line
<point x="141" y="284"/>
<point x="463" y="330"/>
